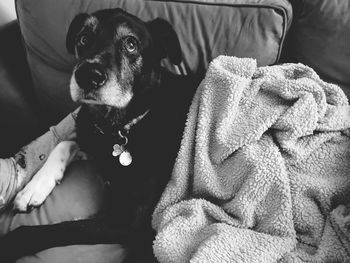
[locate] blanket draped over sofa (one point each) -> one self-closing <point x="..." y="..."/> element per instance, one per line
<point x="263" y="172"/>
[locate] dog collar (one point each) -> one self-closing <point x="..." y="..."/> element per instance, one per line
<point x="134" y="121"/>
<point x="120" y="150"/>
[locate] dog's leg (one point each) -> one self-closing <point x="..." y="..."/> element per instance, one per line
<point x="28" y="240"/>
<point x="44" y="181"/>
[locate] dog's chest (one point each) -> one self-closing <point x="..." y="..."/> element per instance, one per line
<point x="148" y="144"/>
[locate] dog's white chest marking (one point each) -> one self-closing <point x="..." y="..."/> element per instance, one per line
<point x="50" y="174"/>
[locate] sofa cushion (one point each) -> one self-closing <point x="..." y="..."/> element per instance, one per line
<point x="321" y="38"/>
<point x="206" y="28"/>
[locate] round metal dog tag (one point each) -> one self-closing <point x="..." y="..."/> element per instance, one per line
<point x="125" y="158"/>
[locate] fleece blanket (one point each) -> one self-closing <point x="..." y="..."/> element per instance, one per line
<point x="263" y="171"/>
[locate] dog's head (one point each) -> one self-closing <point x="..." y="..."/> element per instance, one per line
<point x="118" y="56"/>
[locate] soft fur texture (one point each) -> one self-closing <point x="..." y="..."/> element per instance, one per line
<point x="263" y="173"/>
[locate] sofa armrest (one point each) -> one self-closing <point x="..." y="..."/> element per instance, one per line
<point x="19" y="116"/>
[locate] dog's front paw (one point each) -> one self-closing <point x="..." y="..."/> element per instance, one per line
<point x="34" y="193"/>
<point x="45" y="180"/>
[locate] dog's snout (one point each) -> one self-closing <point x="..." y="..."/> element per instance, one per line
<point x="90" y="76"/>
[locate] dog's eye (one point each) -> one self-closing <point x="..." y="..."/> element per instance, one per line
<point x="130" y="44"/>
<point x="83" y="40"/>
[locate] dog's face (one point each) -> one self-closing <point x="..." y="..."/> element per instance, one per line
<point x="118" y="56"/>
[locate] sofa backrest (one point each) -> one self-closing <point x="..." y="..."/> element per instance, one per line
<point x="206" y="29"/>
<point x="320" y="38"/>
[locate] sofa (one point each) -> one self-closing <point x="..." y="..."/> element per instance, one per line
<point x="35" y="70"/>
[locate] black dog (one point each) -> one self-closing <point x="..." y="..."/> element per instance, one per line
<point x="131" y="122"/>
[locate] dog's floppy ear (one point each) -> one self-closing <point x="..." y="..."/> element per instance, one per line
<point x="75" y="26"/>
<point x="167" y="42"/>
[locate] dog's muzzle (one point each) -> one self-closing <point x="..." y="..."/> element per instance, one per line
<point x="90" y="76"/>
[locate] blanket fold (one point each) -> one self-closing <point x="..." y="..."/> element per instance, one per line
<point x="263" y="171"/>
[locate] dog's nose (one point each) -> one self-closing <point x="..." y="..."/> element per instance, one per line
<point x="90" y="76"/>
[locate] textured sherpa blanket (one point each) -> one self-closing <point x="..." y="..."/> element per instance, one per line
<point x="263" y="172"/>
